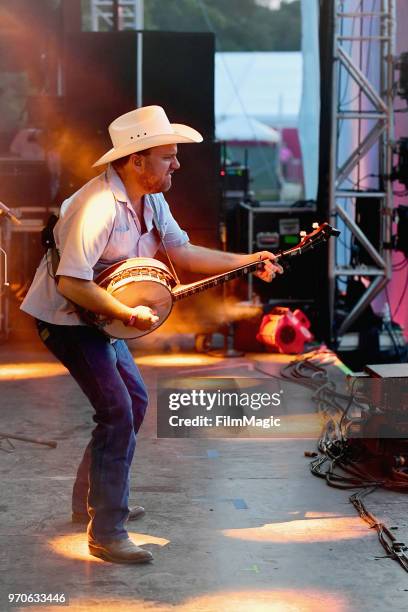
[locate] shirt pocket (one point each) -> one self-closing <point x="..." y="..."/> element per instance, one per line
<point x="123" y="238"/>
<point x="121" y="245"/>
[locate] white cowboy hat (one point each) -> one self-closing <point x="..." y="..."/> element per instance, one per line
<point x="143" y="128"/>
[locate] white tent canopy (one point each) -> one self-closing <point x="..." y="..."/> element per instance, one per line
<point x="266" y="86"/>
<point x="244" y="128"/>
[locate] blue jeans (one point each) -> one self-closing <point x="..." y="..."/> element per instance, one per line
<point x="112" y="382"/>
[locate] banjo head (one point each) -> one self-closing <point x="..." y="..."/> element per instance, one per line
<point x="140" y="281"/>
<point x="151" y="293"/>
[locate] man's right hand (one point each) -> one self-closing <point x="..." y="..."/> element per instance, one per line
<point x="142" y="317"/>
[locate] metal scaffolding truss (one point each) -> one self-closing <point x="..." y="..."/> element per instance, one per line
<point x="361" y="143"/>
<point x="130" y="14"/>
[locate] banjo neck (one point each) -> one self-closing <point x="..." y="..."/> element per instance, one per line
<point x="183" y="291"/>
<point x="321" y="234"/>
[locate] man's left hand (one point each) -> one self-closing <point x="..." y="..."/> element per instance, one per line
<point x="271" y="268"/>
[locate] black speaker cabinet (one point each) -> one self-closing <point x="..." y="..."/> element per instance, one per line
<point x="195" y="195"/>
<point x="100" y="83"/>
<point x="100" y="76"/>
<point x="178" y="74"/>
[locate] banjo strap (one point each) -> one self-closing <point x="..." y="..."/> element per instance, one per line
<point x="159" y="231"/>
<point x="161" y="235"/>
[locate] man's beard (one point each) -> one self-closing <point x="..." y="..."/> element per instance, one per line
<point x="154" y="185"/>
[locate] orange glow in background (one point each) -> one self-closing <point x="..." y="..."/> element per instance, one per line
<point x="177" y="360"/>
<point x="307" y="530"/>
<point x="45" y="369"/>
<point x="225" y="601"/>
<point x="21" y="371"/>
<point x="218" y="381"/>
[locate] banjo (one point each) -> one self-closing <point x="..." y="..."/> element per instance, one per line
<point x="144" y="281"/>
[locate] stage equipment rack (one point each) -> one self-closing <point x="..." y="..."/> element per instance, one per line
<point x="16" y="256"/>
<point x="280" y="224"/>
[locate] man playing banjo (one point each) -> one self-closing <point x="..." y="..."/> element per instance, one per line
<point x="111" y="218"/>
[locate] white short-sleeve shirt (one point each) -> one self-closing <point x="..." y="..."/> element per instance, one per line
<point x="97" y="227"/>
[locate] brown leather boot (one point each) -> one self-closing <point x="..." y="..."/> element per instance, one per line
<point x="120" y="551"/>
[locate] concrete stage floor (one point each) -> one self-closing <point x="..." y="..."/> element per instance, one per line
<point x="234" y="524"/>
